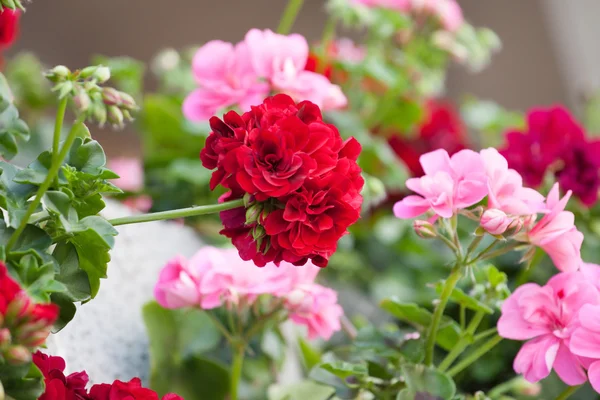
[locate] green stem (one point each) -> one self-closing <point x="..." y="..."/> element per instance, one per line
<point x="475" y="355"/>
<point x="568" y="392"/>
<point x="289" y="16"/>
<point x="217" y="322"/>
<point x="463" y="343"/>
<point x="449" y="286"/>
<point x="499" y="252"/>
<point x="473" y="246"/>
<point x="484" y="335"/>
<point x="52" y="173"/>
<point x="504" y="387"/>
<point x="261" y="323"/>
<point x="179" y="213"/>
<point x="484" y="251"/>
<point x="236" y="370"/>
<point x="60" y="117"/>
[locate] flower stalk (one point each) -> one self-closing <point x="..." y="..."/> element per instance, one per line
<point x="568" y="392"/>
<point x="236" y="370"/>
<point x="289" y="16"/>
<point x="475" y="355"/>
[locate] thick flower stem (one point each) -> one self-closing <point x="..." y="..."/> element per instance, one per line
<point x="179" y="213"/>
<point x="568" y="392"/>
<point x="60" y="117"/>
<point x="289" y="16"/>
<point x="439" y="312"/>
<point x="463" y="343"/>
<point x="52" y="173"/>
<point x="475" y="355"/>
<point x="236" y="370"/>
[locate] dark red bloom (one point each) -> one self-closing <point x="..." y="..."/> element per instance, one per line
<point x="315" y="64"/>
<point x="580" y="171"/>
<point x="549" y="135"/>
<point x="131" y="390"/>
<point x="285" y="157"/>
<point x="441" y="129"/>
<point x="9" y="27"/>
<point x="59" y="386"/>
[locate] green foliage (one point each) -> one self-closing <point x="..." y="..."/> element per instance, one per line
<point x="179" y="341"/>
<point x="29" y="87"/>
<point x="423" y="380"/>
<point x="24" y="382"/>
<point x="300" y="391"/>
<point x="13" y="131"/>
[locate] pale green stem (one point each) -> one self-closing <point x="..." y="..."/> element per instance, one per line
<point x="179" y="213"/>
<point x="236" y="370"/>
<point x="475" y="355"/>
<point x="463" y="343"/>
<point x="568" y="392"/>
<point x="289" y="16"/>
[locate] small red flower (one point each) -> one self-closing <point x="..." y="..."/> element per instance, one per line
<point x="59" y="386"/>
<point x="301" y="179"/>
<point x="8" y="289"/>
<point x="131" y="390"/>
<point x="9" y="27"/>
<point x="441" y="129"/>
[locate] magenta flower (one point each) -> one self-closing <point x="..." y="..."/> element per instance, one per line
<point x="547" y="317"/>
<point x="449" y="184"/>
<point x="505" y="187"/>
<point x="556" y="233"/>
<point x="581" y="171"/>
<point x="226" y="78"/>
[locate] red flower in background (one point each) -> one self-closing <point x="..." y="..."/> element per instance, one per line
<point x="59" y="386"/>
<point x="131" y="390"/>
<point x="301" y="179"/>
<point x="554" y="141"/>
<point x="441" y="129"/>
<point x="9" y="28"/>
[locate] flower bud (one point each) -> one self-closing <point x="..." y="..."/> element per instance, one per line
<point x="102" y="74"/>
<point x="115" y="116"/>
<point x="17" y="355"/>
<point x="127" y="102"/>
<point x="111" y="97"/>
<point x="495" y="221"/>
<point x="35" y="339"/>
<point x="5" y="337"/>
<point x="252" y="213"/>
<point x="424" y="229"/>
<point x="99" y="113"/>
<point x="17" y="309"/>
<point x="526" y="388"/>
<point x="82" y="101"/>
<point x="515" y="226"/>
<point x="58" y="73"/>
<point x="529" y="221"/>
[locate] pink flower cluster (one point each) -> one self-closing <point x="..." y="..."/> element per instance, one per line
<point x="447" y="11"/>
<point x="131" y="179"/>
<point x="465" y="179"/>
<point x="249" y="71"/>
<point x="216" y="277"/>
<point x="561" y="323"/>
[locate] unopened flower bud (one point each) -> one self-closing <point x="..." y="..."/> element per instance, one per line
<point x="82" y="101"/>
<point x="424" y="229"/>
<point x="495" y="221"/>
<point x="17" y="355"/>
<point x="110" y="96"/>
<point x="529" y="221"/>
<point x="35" y="339"/>
<point x="5" y="337"/>
<point x="102" y="74"/>
<point x="115" y="116"/>
<point x="58" y="73"/>
<point x="99" y="113"/>
<point x="127" y="115"/>
<point x="258" y="232"/>
<point x="252" y="213"/>
<point x="127" y="102"/>
<point x="17" y="309"/>
<point x="526" y="388"/>
<point x="515" y="226"/>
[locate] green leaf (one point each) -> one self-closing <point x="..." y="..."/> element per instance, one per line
<point x="22" y="386"/>
<point x="449" y="332"/>
<point x="177" y="340"/>
<point x="343" y="369"/>
<point x="12" y="128"/>
<point x="13" y="196"/>
<point x="87" y="156"/>
<point x="460" y="297"/>
<point x="36" y="276"/>
<point x="310" y="355"/>
<point x="70" y="274"/>
<point x="300" y="391"/>
<point x="67" y="310"/>
<point x="342" y="390"/>
<point x="422" y="379"/>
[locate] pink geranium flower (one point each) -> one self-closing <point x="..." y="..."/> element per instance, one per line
<point x="130" y="171"/>
<point x="505" y="187"/>
<point x="547" y="317"/>
<point x="556" y="233"/>
<point x="226" y="77"/>
<point x="585" y="341"/>
<point x="282" y="59"/>
<point x="315" y="307"/>
<point x="449" y="184"/>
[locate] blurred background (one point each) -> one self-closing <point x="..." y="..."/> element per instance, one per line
<point x="542" y="61"/>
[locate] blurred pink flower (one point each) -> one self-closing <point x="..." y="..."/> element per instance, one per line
<point x="548" y="316"/>
<point x="282" y="59"/>
<point x="226" y="78"/>
<point x="585" y="341"/>
<point x="315" y="307"/>
<point x="495" y="221"/>
<point x="505" y="187"/>
<point x="401" y="5"/>
<point x="449" y="184"/>
<point x="130" y="171"/>
<point x="216" y="277"/>
<point x="447" y="11"/>
<point x="556" y="233"/>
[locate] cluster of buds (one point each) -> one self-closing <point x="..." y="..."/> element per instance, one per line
<point x="11" y="4"/>
<point x="498" y="223"/>
<point x="24" y="325"/>
<point x="98" y="103"/>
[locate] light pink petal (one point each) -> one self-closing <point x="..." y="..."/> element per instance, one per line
<point x="591" y="272"/>
<point x="585" y="343"/>
<point x="410" y="207"/>
<point x="414" y="184"/>
<point x="202" y="104"/>
<point x="212" y="61"/>
<point x="568" y="367"/>
<point x="565" y="251"/>
<point x="594" y="375"/>
<point x="471" y="191"/>
<point x="467" y="162"/>
<point x="435" y="161"/>
<point x="536" y="357"/>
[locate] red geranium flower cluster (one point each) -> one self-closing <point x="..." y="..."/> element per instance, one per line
<point x="554" y="142"/>
<point x="9" y="28"/>
<point x="73" y="386"/>
<point x="300" y="178"/>
<point x="440" y="129"/>
<point x="24" y="325"/>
